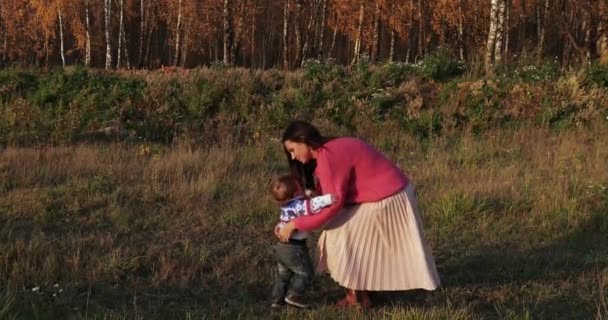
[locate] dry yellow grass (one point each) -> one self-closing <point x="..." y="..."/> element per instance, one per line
<point x="517" y="220"/>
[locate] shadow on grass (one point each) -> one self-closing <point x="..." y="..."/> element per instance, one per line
<point x="546" y="281"/>
<point x="582" y="250"/>
<point x="555" y="280"/>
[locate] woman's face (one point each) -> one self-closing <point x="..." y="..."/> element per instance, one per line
<point x="299" y="151"/>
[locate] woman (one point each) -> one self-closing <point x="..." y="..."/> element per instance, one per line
<point x="373" y="238"/>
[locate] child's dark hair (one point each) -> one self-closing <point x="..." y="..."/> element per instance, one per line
<point x="284" y="187"/>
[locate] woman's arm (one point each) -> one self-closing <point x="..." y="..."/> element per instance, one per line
<point x="315" y="204"/>
<point x="334" y="177"/>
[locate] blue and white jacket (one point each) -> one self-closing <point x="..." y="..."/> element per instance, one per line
<point x="301" y="206"/>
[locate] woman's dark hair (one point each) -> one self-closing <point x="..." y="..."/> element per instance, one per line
<point x="303" y="132"/>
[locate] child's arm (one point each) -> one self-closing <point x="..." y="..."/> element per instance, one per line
<point x="315" y="204"/>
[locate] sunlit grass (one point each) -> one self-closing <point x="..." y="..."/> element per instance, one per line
<point x="517" y="220"/>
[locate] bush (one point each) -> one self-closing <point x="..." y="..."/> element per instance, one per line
<point x="537" y="72"/>
<point x="15" y="83"/>
<point x="440" y="66"/>
<point x="321" y="70"/>
<point x="598" y="75"/>
<point x="214" y="104"/>
<point x="391" y="74"/>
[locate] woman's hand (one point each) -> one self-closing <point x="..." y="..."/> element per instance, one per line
<point x="285" y="232"/>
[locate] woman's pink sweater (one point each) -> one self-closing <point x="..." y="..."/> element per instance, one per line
<point x="355" y="172"/>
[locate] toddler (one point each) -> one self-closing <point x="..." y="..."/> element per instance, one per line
<point x="294" y="263"/>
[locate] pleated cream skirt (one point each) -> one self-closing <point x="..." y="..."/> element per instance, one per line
<point x="378" y="246"/>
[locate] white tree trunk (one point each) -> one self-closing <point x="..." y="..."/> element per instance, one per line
<point x="253" y="35"/>
<point x="587" y="39"/>
<point x="298" y="31"/>
<point x="602" y="31"/>
<point x="410" y="39"/>
<point x="490" y="43"/>
<point x="357" y="50"/>
<point x="142" y="32"/>
<point x="460" y="31"/>
<point x="376" y="33"/>
<point x="602" y="45"/>
<point x="322" y="29"/>
<point x="120" y="32"/>
<point x="87" y="54"/>
<point x="333" y="43"/>
<point x="61" y="48"/>
<point x="177" y="32"/>
<point x="542" y="26"/>
<point x="391" y="54"/>
<point x="522" y="26"/>
<point x="184" y="51"/>
<point x="227" y="33"/>
<point x="307" y="36"/>
<point x="4" y="47"/>
<point x="236" y="34"/>
<point x="500" y="22"/>
<point x="421" y="34"/>
<point x="506" y="27"/>
<point x="285" y="34"/>
<point x="107" y="10"/>
<point x="126" y="48"/>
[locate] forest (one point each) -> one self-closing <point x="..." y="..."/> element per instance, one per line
<point x="150" y="34"/>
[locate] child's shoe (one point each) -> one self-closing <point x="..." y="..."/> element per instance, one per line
<point x="278" y="303"/>
<point x="297" y="302"/>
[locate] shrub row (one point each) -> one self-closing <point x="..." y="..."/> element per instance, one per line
<point x="214" y="104"/>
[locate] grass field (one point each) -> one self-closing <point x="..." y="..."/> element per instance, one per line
<point x="517" y="219"/>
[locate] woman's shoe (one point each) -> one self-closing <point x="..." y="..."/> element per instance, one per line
<point x="349" y="301"/>
<point x="355" y="299"/>
<point x="364" y="300"/>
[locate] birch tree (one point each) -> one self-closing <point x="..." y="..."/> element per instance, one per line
<point x="298" y="31"/>
<point x="421" y="27"/>
<point x="307" y="36"/>
<point x="461" y="43"/>
<point x="142" y="31"/>
<point x="491" y="42"/>
<point x="177" y="32"/>
<point x="265" y="33"/>
<point x="285" y="34"/>
<point x="376" y="32"/>
<point x="541" y="26"/>
<point x="228" y="33"/>
<point x="500" y="23"/>
<point x="602" y="30"/>
<point x="107" y="9"/>
<point x="322" y="29"/>
<point x="121" y="9"/>
<point x="359" y="37"/>
<point x="87" y="59"/>
<point x="61" y="48"/>
<point x="506" y="27"/>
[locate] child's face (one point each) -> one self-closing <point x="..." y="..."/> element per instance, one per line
<point x="281" y="193"/>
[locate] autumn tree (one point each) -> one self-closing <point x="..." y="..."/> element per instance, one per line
<point x="271" y="33"/>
